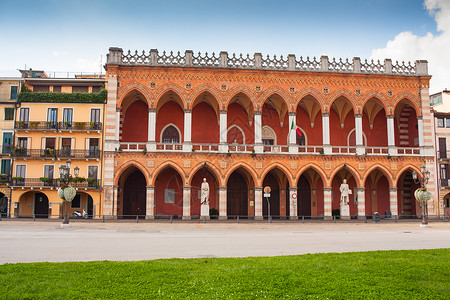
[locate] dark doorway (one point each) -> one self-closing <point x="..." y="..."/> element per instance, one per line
<point x="40" y="205"/>
<point x="3" y="205"/>
<point x="304" y="197"/>
<point x="274" y="199"/>
<point x="90" y="207"/>
<point x="134" y="195"/>
<point x="237" y="194"/>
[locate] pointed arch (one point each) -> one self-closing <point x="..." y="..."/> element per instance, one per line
<point x="134" y="86"/>
<point x="408" y="97"/>
<point x="170" y="87"/>
<point x="383" y="170"/>
<point x="165" y="165"/>
<point x="167" y="126"/>
<point x="404" y="169"/>
<point x="343" y="93"/>
<point x="287" y="99"/>
<point x="314" y="167"/>
<point x="205" y="88"/>
<point x="244" y="90"/>
<point x="244" y="166"/>
<point x="310" y="92"/>
<point x="282" y="168"/>
<point x="378" y="96"/>
<point x="350" y="169"/>
<point x="211" y="167"/>
<point x="132" y="163"/>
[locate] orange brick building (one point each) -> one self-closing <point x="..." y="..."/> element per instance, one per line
<point x="174" y="119"/>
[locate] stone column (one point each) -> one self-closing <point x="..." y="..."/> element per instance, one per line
<point x="258" y="203"/>
<point x="391" y="135"/>
<point x="393" y="204"/>
<point x="361" y="194"/>
<point x="150" y="203"/>
<point x="258" y="132"/>
<point x="117" y="133"/>
<point x="326" y="133"/>
<point x="359" y="135"/>
<point x="293" y="202"/>
<point x="223" y="203"/>
<point x="327" y="205"/>
<point x="293" y="149"/>
<point x="420" y="132"/>
<point x="223" y="147"/>
<point x="186" y="202"/>
<point x="114" y="206"/>
<point x="151" y="130"/>
<point x="187" y="143"/>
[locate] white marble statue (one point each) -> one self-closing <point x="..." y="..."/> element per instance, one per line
<point x="205" y="192"/>
<point x="204" y="196"/>
<point x="345" y="192"/>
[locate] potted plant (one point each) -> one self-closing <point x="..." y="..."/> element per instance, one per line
<point x="3" y="177"/>
<point x="79" y="125"/>
<point x="34" y="124"/>
<point x="18" y="180"/>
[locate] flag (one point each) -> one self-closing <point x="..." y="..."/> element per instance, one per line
<point x="292" y="125"/>
<point x="299" y="132"/>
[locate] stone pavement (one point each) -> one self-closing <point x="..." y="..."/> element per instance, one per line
<point x="27" y="241"/>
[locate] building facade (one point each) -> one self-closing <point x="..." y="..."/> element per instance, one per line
<point x="57" y="120"/>
<point x="9" y="89"/>
<point x="441" y="111"/>
<point x="300" y="126"/>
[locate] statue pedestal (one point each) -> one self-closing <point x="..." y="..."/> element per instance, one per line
<point x="204" y="211"/>
<point x="345" y="212"/>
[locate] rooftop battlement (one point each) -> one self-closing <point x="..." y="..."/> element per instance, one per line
<point x="116" y="56"/>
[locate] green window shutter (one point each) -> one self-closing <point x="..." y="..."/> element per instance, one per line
<point x="13" y="92"/>
<point x="6" y="166"/>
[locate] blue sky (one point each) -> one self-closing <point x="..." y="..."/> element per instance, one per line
<point x="70" y="36"/>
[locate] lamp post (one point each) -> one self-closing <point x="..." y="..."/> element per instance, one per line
<point x="422" y="194"/>
<point x="66" y="192"/>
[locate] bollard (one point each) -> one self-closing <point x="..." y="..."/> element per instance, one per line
<point x="395" y="218"/>
<point x="365" y="219"/>
<point x="171" y="217"/>
<point x="103" y="218"/>
<point x="137" y="218"/>
<point x="204" y="219"/>
<point x="0" y="216"/>
<point x="34" y="217"/>
<point x="237" y="219"/>
<point x="334" y="219"/>
<point x="303" y="219"/>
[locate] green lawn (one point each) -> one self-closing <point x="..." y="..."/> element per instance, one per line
<point x="423" y="274"/>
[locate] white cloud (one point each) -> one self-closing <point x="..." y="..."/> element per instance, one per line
<point x="433" y="48"/>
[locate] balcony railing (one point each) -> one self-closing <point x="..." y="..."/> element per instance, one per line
<point x="53" y="153"/>
<point x="444" y="182"/>
<point x="443" y="154"/>
<point x="270" y="149"/>
<point x="37" y="182"/>
<point x="61" y="126"/>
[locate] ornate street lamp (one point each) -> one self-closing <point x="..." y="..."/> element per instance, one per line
<point x="422" y="194"/>
<point x="66" y="192"/>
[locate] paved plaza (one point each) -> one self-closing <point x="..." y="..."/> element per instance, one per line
<point x="28" y="241"/>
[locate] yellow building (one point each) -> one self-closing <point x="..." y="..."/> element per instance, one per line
<point x="9" y="88"/>
<point x="57" y="120"/>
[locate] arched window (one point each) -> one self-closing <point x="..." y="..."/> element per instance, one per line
<point x="268" y="136"/>
<point x="171" y="135"/>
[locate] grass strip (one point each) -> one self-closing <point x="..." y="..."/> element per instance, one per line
<point x="411" y="274"/>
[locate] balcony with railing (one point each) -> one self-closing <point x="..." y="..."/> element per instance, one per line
<point x="18" y="152"/>
<point x="57" y="126"/>
<point x="268" y="149"/>
<point x="54" y="182"/>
